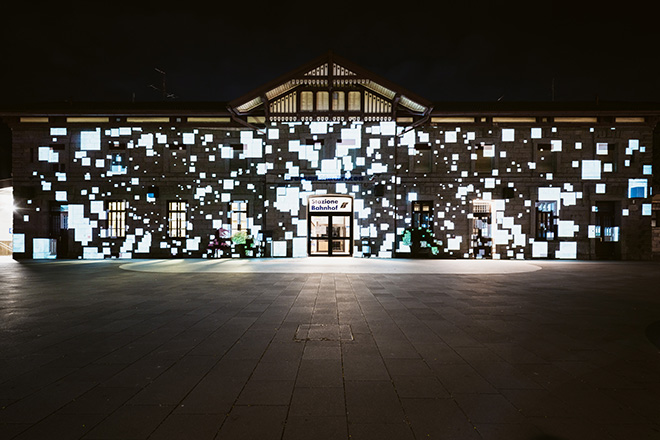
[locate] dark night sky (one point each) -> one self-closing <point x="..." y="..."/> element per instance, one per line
<point x="451" y="51"/>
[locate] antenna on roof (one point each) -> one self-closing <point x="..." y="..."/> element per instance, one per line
<point x="553" y="89"/>
<point x="163" y="87"/>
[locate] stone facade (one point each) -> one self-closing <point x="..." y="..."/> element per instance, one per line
<point x="488" y="184"/>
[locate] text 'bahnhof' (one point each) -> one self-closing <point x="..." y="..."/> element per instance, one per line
<point x="332" y="160"/>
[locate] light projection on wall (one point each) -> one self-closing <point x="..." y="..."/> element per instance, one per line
<point x="637" y="188"/>
<point x="591" y="169"/>
<point x="181" y="187"/>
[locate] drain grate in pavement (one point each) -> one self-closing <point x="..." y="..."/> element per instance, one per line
<point x="324" y="332"/>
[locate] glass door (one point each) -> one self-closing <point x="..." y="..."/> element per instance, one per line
<point x="341" y="235"/>
<point x="330" y="234"/>
<point x="319" y="235"/>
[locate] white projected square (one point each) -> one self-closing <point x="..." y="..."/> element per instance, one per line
<point x="590" y="169"/>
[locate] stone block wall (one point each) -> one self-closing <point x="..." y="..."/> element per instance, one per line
<point x="82" y="166"/>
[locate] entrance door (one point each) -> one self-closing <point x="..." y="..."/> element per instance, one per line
<point x="330" y="234"/>
<point x="482" y="242"/>
<point x="607" y="233"/>
<point x="59" y="225"/>
<point x="481" y="237"/>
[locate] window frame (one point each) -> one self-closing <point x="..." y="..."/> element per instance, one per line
<point x="242" y="215"/>
<point x="306" y="98"/>
<point x="419" y="214"/>
<point x="116" y="218"/>
<point x="482" y="159"/>
<point x="610" y="157"/>
<point x="177" y="221"/>
<point x="546" y="218"/>
<point x="338" y="101"/>
<point x="550" y="157"/>
<point x="121" y="166"/>
<point x="422" y="153"/>
<point x="351" y="100"/>
<point x="322" y="99"/>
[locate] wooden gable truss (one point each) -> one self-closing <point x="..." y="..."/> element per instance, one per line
<point x="330" y="89"/>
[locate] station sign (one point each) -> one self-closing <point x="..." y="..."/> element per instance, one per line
<point x="331" y="203"/>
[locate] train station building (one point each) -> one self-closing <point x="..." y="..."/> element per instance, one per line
<point x="331" y="159"/>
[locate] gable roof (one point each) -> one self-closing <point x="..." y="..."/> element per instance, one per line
<point x="331" y="72"/>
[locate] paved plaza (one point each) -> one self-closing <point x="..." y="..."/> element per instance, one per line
<point x="329" y="349"/>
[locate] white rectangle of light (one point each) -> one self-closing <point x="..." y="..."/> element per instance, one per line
<point x="591" y="169"/>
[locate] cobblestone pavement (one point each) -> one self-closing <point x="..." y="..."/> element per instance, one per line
<point x="92" y="351"/>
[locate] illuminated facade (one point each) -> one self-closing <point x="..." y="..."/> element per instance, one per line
<point x="333" y="160"/>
